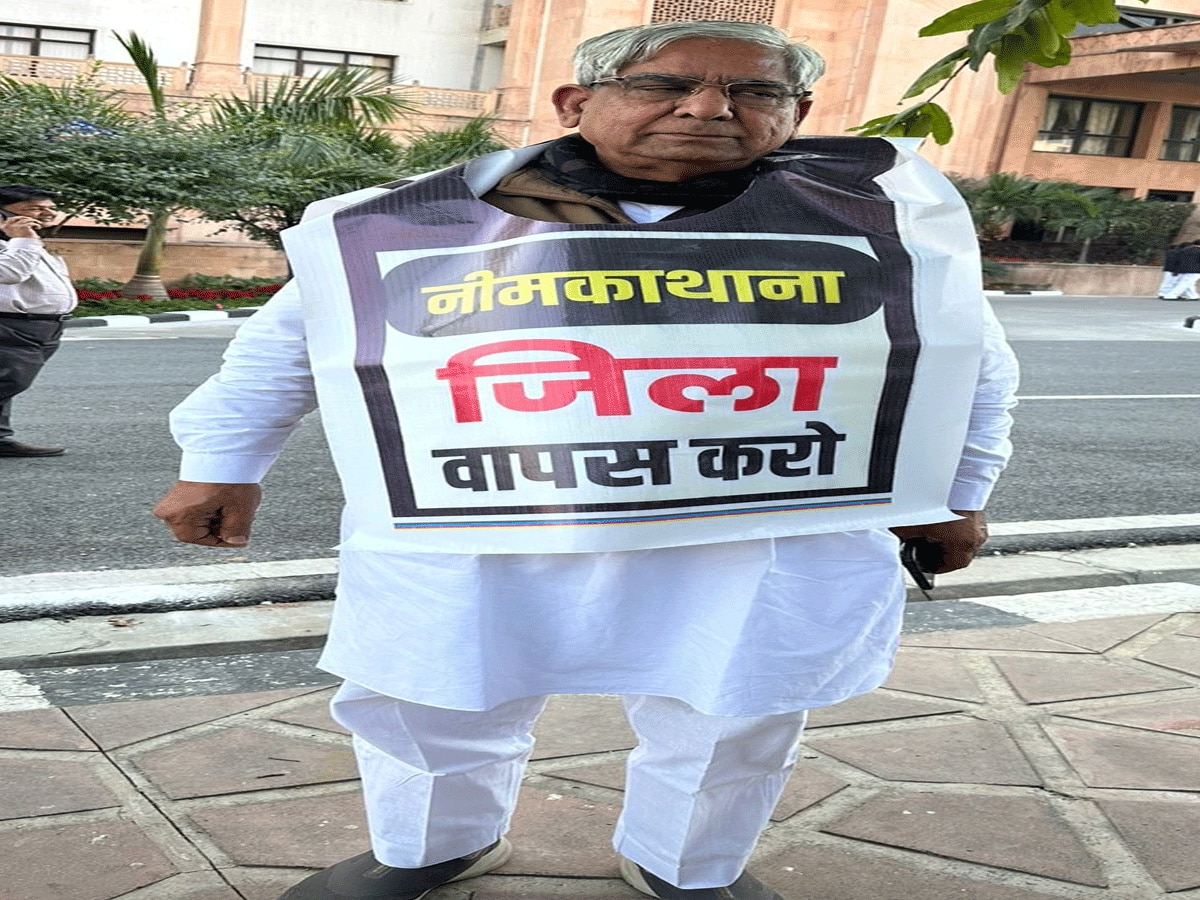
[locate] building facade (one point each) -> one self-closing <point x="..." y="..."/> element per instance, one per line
<point x="1124" y="114"/>
<point x="208" y="47"/>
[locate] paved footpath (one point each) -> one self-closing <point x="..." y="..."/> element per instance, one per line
<point x="1044" y="744"/>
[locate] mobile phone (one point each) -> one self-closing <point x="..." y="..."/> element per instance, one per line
<point x="5" y="214"/>
<point x="921" y="557"/>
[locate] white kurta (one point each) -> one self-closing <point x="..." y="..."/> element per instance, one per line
<point x="742" y="628"/>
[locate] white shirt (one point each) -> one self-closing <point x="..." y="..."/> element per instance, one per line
<point x="741" y="628"/>
<point x="32" y="280"/>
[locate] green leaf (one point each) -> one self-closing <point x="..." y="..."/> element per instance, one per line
<point x="941" y="70"/>
<point x="940" y="125"/>
<point x="919" y="120"/>
<point x="1010" y="63"/>
<point x="1061" y="18"/>
<point x="1093" y="12"/>
<point x="876" y="127"/>
<point x="1047" y="38"/>
<point x="917" y="124"/>
<point x="146" y="63"/>
<point x="967" y="17"/>
<point x="983" y="38"/>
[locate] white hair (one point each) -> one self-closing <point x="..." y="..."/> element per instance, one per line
<point x="605" y="55"/>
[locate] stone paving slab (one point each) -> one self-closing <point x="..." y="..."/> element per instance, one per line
<point x="1162" y="835"/>
<point x="76" y="788"/>
<point x="42" y="729"/>
<point x="1042" y="680"/>
<point x="1136" y="760"/>
<point x="1180" y="715"/>
<point x="112" y="725"/>
<point x="964" y="751"/>
<point x="1097" y="635"/>
<point x="997" y="764"/>
<point x="1035" y="839"/>
<point x="934" y="674"/>
<point x="239" y="759"/>
<point x="1178" y="652"/>
<point x="82" y="861"/>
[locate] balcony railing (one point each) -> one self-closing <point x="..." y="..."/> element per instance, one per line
<point x="439" y="99"/>
<point x="429" y="99"/>
<point x="433" y="101"/>
<point x="106" y="74"/>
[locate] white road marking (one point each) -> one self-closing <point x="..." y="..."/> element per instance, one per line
<point x="1024" y="398"/>
<point x="217" y="572"/>
<point x="1108" y="523"/>
<point x="18" y="693"/>
<point x="1100" y="602"/>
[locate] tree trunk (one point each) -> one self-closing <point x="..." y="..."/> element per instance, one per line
<point x="1083" y="250"/>
<point x="147" y="279"/>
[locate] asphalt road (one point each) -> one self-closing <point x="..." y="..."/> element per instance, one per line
<point x="1127" y="447"/>
<point x="1110" y="402"/>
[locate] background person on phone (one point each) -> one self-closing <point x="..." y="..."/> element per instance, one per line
<point x="36" y="298"/>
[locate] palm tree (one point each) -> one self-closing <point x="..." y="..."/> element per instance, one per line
<point x="301" y="127"/>
<point x="307" y="120"/>
<point x="1090" y="213"/>
<point x="1001" y="199"/>
<point x="147" y="276"/>
<point x="324" y="137"/>
<point x="428" y="149"/>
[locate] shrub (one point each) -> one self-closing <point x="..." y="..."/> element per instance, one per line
<point x="199" y="282"/>
<point x="111" y="303"/>
<point x="1153" y="225"/>
<point x="96" y="284"/>
<point x="1107" y="228"/>
<point x="992" y="270"/>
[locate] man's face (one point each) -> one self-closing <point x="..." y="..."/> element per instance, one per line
<point x="675" y="140"/>
<point x="44" y="211"/>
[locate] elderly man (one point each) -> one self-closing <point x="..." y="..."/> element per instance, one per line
<point x="36" y="296"/>
<point x="640" y="411"/>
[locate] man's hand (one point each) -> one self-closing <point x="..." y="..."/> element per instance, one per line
<point x="215" y="515"/>
<point x="960" y="540"/>
<point x="20" y="226"/>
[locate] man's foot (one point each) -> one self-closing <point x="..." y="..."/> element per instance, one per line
<point x="747" y="887"/>
<point x="16" y="448"/>
<point x="362" y="878"/>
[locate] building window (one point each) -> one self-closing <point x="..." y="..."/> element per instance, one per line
<point x="1171" y="196"/>
<point x="1132" y="17"/>
<point x="37" y="40"/>
<point x="1183" y="139"/>
<point x="1129" y="19"/>
<point x="1088" y="127"/>
<point x="305" y="63"/>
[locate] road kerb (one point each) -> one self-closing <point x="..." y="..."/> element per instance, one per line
<point x="997" y="590"/>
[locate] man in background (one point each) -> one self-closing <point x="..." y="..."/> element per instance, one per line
<point x="1185" y="269"/>
<point x="36" y="298"/>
